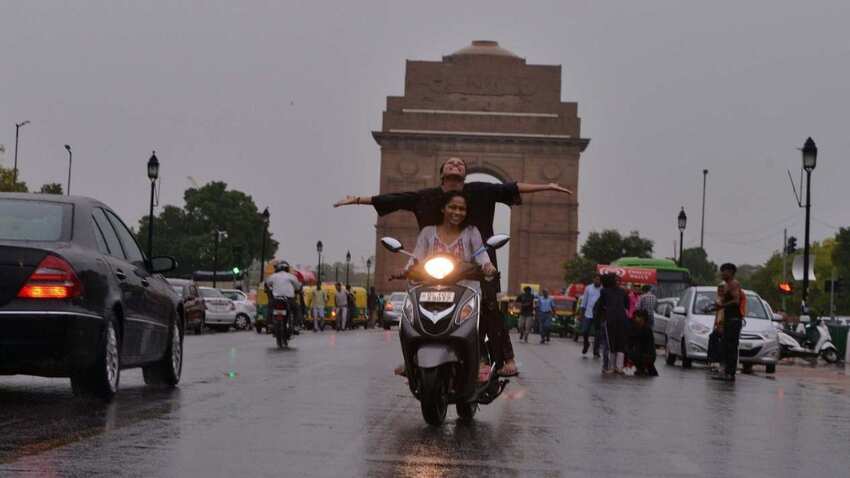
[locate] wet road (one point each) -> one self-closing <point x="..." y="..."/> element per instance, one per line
<point x="331" y="407"/>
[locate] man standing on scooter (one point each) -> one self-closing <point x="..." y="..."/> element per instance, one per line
<point x="734" y="304"/>
<point x="426" y="203"/>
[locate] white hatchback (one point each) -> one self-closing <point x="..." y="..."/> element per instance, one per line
<point x="246" y="311"/>
<point x="220" y="311"/>
<point x="692" y="321"/>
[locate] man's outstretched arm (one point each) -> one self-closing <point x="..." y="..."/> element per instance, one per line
<point x="349" y="200"/>
<point x="526" y="188"/>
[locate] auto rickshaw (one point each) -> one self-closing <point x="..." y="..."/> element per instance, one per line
<point x="356" y="313"/>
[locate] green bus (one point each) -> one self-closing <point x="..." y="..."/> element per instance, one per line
<point x="672" y="279"/>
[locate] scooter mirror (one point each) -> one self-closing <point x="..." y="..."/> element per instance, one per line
<point x="498" y="240"/>
<point x="392" y="244"/>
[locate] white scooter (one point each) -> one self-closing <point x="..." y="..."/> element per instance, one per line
<point x="808" y="342"/>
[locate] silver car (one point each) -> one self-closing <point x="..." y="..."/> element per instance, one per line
<point x="246" y="311"/>
<point x="392" y="309"/>
<point x="692" y="321"/>
<point x="221" y="311"/>
<point x="663" y="312"/>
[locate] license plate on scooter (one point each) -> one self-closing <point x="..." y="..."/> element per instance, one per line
<point x="437" y="296"/>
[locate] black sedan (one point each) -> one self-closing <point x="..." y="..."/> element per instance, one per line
<point x="79" y="299"/>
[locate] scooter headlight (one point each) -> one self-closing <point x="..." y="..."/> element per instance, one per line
<point x="467" y="311"/>
<point x="439" y="267"/>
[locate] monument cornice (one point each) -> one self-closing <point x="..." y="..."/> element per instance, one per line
<point x="384" y="138"/>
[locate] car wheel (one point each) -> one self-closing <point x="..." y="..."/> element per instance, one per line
<point x="166" y="372"/>
<point x="770" y="368"/>
<point x="102" y="379"/>
<point x="686" y="362"/>
<point x="747" y="368"/>
<point x="387" y="325"/>
<point x="242" y="322"/>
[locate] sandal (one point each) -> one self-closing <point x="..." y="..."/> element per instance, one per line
<point x="509" y="369"/>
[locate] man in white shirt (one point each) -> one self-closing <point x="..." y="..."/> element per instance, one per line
<point x="283" y="285"/>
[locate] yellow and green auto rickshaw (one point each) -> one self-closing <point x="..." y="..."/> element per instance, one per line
<point x="357" y="313"/>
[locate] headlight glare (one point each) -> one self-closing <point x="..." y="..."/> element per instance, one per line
<point x="439" y="267"/>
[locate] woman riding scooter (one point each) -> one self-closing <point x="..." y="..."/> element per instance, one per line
<point x="453" y="236"/>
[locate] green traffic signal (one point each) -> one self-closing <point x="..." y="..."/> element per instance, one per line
<point x="236" y="271"/>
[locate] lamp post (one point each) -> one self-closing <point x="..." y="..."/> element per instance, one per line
<point x="347" y="264"/>
<point x="265" y="216"/>
<point x="70" y="158"/>
<point x="702" y="226"/>
<point x="153" y="174"/>
<point x="368" y="272"/>
<point x="683" y="222"/>
<point x="810" y="159"/>
<point x="319" y="247"/>
<point x="219" y="235"/>
<point x="18" y="127"/>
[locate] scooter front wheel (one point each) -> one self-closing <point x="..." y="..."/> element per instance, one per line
<point x="830" y="355"/>
<point x="434" y="399"/>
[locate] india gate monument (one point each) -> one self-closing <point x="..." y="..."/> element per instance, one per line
<point x="505" y="118"/>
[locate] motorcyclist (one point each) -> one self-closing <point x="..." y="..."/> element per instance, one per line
<point x="426" y="203"/>
<point x="283" y="286"/>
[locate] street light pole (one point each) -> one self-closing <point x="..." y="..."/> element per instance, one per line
<point x="18" y="127"/>
<point x="265" y="216"/>
<point x="319" y="247"/>
<point x="683" y="222"/>
<point x="153" y="174"/>
<point x="810" y="154"/>
<point x="702" y="227"/>
<point x="347" y="263"/>
<point x="70" y="157"/>
<point x="218" y="236"/>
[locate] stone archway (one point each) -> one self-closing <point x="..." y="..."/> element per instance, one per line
<point x="504" y="118"/>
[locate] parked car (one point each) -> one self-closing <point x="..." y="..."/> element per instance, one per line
<point x="191" y="306"/>
<point x="79" y="299"/>
<point x="692" y="321"/>
<point x="663" y="311"/>
<point x="246" y="311"/>
<point x="220" y="311"/>
<point x="392" y="309"/>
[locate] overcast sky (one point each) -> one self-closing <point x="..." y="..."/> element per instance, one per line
<point x="278" y="99"/>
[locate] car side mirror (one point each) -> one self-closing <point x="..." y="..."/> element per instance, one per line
<point x="679" y="310"/>
<point x="498" y="240"/>
<point x="162" y="264"/>
<point x="392" y="244"/>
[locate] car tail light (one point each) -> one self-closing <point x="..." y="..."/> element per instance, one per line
<point x="54" y="278"/>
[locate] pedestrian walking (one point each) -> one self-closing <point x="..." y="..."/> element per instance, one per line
<point x="545" y="307"/>
<point x="734" y="305"/>
<point x="318" y="309"/>
<point x="341" y="309"/>
<point x="588" y="303"/>
<point x="381" y="303"/>
<point x="371" y="308"/>
<point x="526" y="313"/>
<point x="352" y="308"/>
<point x="614" y="303"/>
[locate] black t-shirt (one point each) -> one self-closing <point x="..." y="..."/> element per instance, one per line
<point x="425" y="204"/>
<point x="526" y="304"/>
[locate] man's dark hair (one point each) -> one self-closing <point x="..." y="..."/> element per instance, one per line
<point x="609" y="281"/>
<point x="728" y="267"/>
<point x="465" y="166"/>
<point x="527" y="289"/>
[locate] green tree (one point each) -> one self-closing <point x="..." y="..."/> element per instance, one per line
<point x="841" y="260"/>
<point x="579" y="270"/>
<point x="609" y="245"/>
<point x="702" y="270"/>
<point x="187" y="233"/>
<point x="8" y="185"/>
<point x="52" y="188"/>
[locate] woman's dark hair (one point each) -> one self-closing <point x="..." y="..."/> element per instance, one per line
<point x="609" y="280"/>
<point x="448" y="196"/>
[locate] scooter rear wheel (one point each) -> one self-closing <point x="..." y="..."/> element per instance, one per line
<point x="434" y="399"/>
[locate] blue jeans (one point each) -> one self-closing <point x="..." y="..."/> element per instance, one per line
<point x="545" y="325"/>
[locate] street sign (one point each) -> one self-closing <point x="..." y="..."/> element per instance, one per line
<point x="797" y="268"/>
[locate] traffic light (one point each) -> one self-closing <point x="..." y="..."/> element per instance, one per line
<point x="791" y="246"/>
<point x="786" y="288"/>
<point x="236" y="272"/>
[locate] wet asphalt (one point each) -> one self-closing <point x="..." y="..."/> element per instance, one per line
<point x="330" y="407"/>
